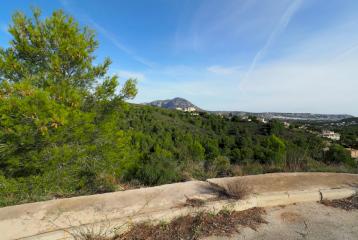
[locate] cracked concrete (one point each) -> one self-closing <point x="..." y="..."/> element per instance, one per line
<point x="302" y="221"/>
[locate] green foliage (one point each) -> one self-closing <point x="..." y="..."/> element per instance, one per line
<point x="276" y="150"/>
<point x="50" y="52"/>
<point x="155" y="168"/>
<point x="197" y="151"/>
<point x="221" y="166"/>
<point x="275" y="127"/>
<point x="58" y="112"/>
<point x="253" y="168"/>
<point x="338" y="154"/>
<point x="349" y="135"/>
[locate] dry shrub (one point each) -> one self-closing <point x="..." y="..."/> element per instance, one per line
<point x="238" y="190"/>
<point x="234" y="190"/>
<point x="92" y="233"/>
<point x="347" y="204"/>
<point x="224" y="223"/>
<point x="90" y="237"/>
<point x="193" y="202"/>
<point x="236" y="170"/>
<point x="102" y="231"/>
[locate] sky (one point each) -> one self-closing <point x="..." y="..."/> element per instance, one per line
<point x="244" y="55"/>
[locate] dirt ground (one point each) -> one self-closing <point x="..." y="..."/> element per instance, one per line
<point x="303" y="221"/>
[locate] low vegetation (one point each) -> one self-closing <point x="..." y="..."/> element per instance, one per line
<point x="233" y="190"/>
<point x="347" y="204"/>
<point x="194" y="202"/>
<point x="66" y="130"/>
<point x="189" y="227"/>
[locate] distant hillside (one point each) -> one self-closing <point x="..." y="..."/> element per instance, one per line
<point x="183" y="103"/>
<point x="173" y="104"/>
<point x="288" y="116"/>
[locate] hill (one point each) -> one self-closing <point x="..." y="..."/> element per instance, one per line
<point x="174" y="103"/>
<point x="182" y="103"/>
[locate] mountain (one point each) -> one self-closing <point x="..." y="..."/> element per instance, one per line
<point x="174" y="103"/>
<point x="183" y="104"/>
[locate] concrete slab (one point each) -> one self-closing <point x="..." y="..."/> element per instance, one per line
<point x="302" y="221"/>
<point x="162" y="202"/>
<point x="277" y="182"/>
<point x="331" y="194"/>
<point x="303" y="196"/>
<point x="34" y="218"/>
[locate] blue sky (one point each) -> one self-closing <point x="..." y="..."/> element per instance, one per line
<point x="251" y="55"/>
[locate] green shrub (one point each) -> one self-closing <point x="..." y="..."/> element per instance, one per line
<point x="154" y="169"/>
<point x="221" y="166"/>
<point x="252" y="168"/>
<point x="156" y="173"/>
<point x="337" y="154"/>
<point x="93" y="182"/>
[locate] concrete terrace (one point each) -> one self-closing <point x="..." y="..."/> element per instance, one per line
<point x="53" y="219"/>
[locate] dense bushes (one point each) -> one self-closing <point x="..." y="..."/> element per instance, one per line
<point x="211" y="146"/>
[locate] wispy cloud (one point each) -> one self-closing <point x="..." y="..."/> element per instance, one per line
<point x="347" y="52"/>
<point x="302" y="81"/>
<point x="215" y="25"/>
<point x="279" y="28"/>
<point x="123" y="74"/>
<point x="213" y="18"/>
<point x="323" y="87"/>
<point x="111" y="37"/>
<point x="107" y="34"/>
<point x="309" y="66"/>
<point x="4" y="29"/>
<point x="223" y="70"/>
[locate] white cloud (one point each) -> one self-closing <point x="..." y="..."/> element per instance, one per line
<point x="111" y="37"/>
<point x="347" y="52"/>
<point x="123" y="74"/>
<point x="282" y="86"/>
<point x="314" y="73"/>
<point x="302" y="87"/>
<point x="310" y="83"/>
<point x="216" y="24"/>
<point x="279" y="28"/>
<point x="202" y="87"/>
<point x="107" y="34"/>
<point x="223" y="70"/>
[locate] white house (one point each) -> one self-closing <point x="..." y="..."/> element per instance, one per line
<point x="354" y="152"/>
<point x="190" y="109"/>
<point x="263" y="120"/>
<point x="331" y="135"/>
<point x="286" y="124"/>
